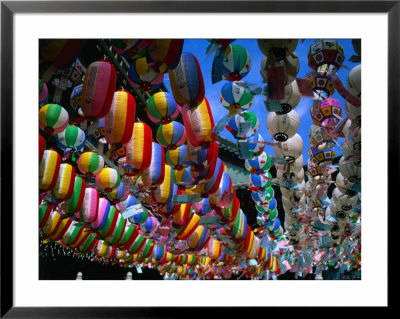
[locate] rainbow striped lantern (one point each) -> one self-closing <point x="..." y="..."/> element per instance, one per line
<point x="236" y="64"/>
<point x="43" y="93"/>
<point x="255" y="145"/>
<point x="164" y="192"/>
<point x="90" y="206"/>
<point x="118" y="194"/>
<point x="187" y="81"/>
<point x="110" y="223"/>
<point x="243" y="125"/>
<point x="154" y="174"/>
<point x="214" y="248"/>
<point x="48" y="170"/>
<point x="42" y="146"/>
<point x="65" y="183"/>
<point x="75" y="201"/>
<point x="171" y="135"/>
<point x="159" y="253"/>
<point x="189" y="227"/>
<point x="53" y="118"/>
<point x="199" y="123"/>
<point x="118" y="232"/>
<point x="142" y="76"/>
<point x="45" y="211"/>
<point x="71" y="139"/>
<point x="211" y="186"/>
<point x="182" y="178"/>
<point x="164" y="53"/>
<point x="138" y="153"/>
<point x="177" y="158"/>
<point x="162" y="108"/>
<point x="103" y="210"/>
<point x="98" y="89"/>
<point x="235" y="98"/>
<point x="150" y="225"/>
<point x="90" y="163"/>
<point x="318" y="156"/>
<point x="120" y="119"/>
<point x="182" y="215"/>
<point x="260" y="182"/>
<point x="225" y="185"/>
<point x="128" y="202"/>
<point x="200" y="158"/>
<point x="325" y="56"/>
<point x="258" y="165"/>
<point x="263" y="196"/>
<point x="328" y="114"/>
<point x="89" y="244"/>
<point x="108" y="179"/>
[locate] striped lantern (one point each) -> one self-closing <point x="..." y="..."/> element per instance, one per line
<point x="255" y="145"/>
<point x="263" y="196"/>
<point x="258" y="165"/>
<point x="177" y="158"/>
<point x="164" y="192"/>
<point x="165" y="53"/>
<point x="90" y="205"/>
<point x="118" y="194"/>
<point x="120" y="119"/>
<point x="48" y="170"/>
<point x="118" y="232"/>
<point x="42" y="146"/>
<point x="182" y="215"/>
<point x="45" y="212"/>
<point x="182" y="178"/>
<point x="211" y="186"/>
<point x="162" y="108"/>
<point x="65" y="183"/>
<point x="150" y="225"/>
<point x="75" y="201"/>
<point x="98" y="89"/>
<point x="103" y="210"/>
<point x="171" y="135"/>
<point x="110" y="223"/>
<point x="89" y="244"/>
<point x="234" y="97"/>
<point x="141" y="75"/>
<point x="260" y="182"/>
<point x="53" y="118"/>
<point x="236" y="64"/>
<point x="214" y="248"/>
<point x="138" y="153"/>
<point x="130" y="233"/>
<point x="238" y="229"/>
<point x="187" y="81"/>
<point x="72" y="137"/>
<point x="90" y="163"/>
<point x="139" y="217"/>
<point x="131" y="49"/>
<point x="108" y="179"/>
<point x="201" y="157"/>
<point x="154" y="174"/>
<point x="225" y="185"/>
<point x="243" y="125"/>
<point x="189" y="228"/>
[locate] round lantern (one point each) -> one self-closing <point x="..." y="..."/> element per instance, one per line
<point x="291" y="149"/>
<point x="138" y="153"/>
<point x="43" y="93"/>
<point x="318" y="156"/>
<point x="198" y="239"/>
<point x="353" y="112"/>
<point x="201" y="157"/>
<point x="48" y="170"/>
<point x="182" y="178"/>
<point x="154" y="174"/>
<point x="353" y="81"/>
<point x="291" y="98"/>
<point x="139" y="217"/>
<point x="236" y="64"/>
<point x="65" y="183"/>
<point x="108" y="179"/>
<point x="237" y="122"/>
<point x="199" y="123"/>
<point x="258" y="165"/>
<point x="53" y="118"/>
<point x="128" y="202"/>
<point x="259" y="182"/>
<point x="277" y="49"/>
<point x="322" y="86"/>
<point x="328" y="114"/>
<point x="75" y="201"/>
<point x="182" y="215"/>
<point x="234" y="97"/>
<point x="342" y="201"/>
<point x="320" y="138"/>
<point x="290" y="68"/>
<point x="325" y="56"/>
<point x="294" y="167"/>
<point x="282" y="127"/>
<point x="177" y="158"/>
<point x="171" y="135"/>
<point x="350" y="171"/>
<point x="344" y="185"/>
<point x="72" y="137"/>
<point x="118" y="194"/>
<point x="120" y="118"/>
<point x="255" y="145"/>
<point x="89" y="209"/>
<point x="263" y="196"/>
<point x="164" y="53"/>
<point x="142" y="76"/>
<point x="162" y="108"/>
<point x="150" y="225"/>
<point x="90" y="163"/>
<point x="98" y="89"/>
<point x="186" y="81"/>
<point x="164" y="192"/>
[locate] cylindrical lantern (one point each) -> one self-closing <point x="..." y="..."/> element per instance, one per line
<point x="48" y="170"/>
<point x="65" y="183"/>
<point x="75" y="201"/>
<point x="138" y="153"/>
<point x="198" y="238"/>
<point x="88" y="211"/>
<point x="282" y="127"/>
<point x="118" y="194"/>
<point x="154" y="174"/>
<point x="165" y="53"/>
<point x="164" y="192"/>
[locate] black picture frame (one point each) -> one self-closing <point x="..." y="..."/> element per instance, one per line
<point x="9" y="8"/>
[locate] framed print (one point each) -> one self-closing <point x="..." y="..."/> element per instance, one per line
<point x="196" y="154"/>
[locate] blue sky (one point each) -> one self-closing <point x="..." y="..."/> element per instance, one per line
<point x="212" y="91"/>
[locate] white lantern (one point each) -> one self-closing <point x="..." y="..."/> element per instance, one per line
<point x="291" y="149"/>
<point x="297" y="177"/>
<point x="353" y="112"/>
<point x="284" y="126"/>
<point x="353" y="146"/>
<point x="292" y="61"/>
<point x="353" y="81"/>
<point x="351" y="171"/>
<point x="344" y="185"/>
<point x="294" y="167"/>
<point x="342" y="201"/>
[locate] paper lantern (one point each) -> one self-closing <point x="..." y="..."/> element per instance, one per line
<point x="235" y="97"/>
<point x="137" y="244"/>
<point x="118" y="232"/>
<point x="229" y="214"/>
<point x="189" y="227"/>
<point x="90" y="205"/>
<point x="139" y="217"/>
<point x="201" y="157"/>
<point x="110" y="224"/>
<point x="64" y="186"/>
<point x="263" y="196"/>
<point x="182" y="215"/>
<point x="211" y="186"/>
<point x="320" y="138"/>
<point x="42" y="146"/>
<point x="315" y="171"/>
<point x="277" y="49"/>
<point x="325" y="56"/>
<point x="150" y="225"/>
<point x="138" y="153"/>
<point x="259" y="182"/>
<point x="103" y="211"/>
<point x="171" y="135"/>
<point x="186" y="81"/>
<point x="182" y="178"/>
<point x="353" y="113"/>
<point x="72" y="137"/>
<point x="214" y="248"/>
<point x="239" y="226"/>
<point x="291" y="149"/>
<point x="177" y="158"/>
<point x="118" y="194"/>
<point x="290" y="66"/>
<point x="61" y="52"/>
<point x="296" y="177"/>
<point x="131" y="49"/>
<point x="243" y="125"/>
<point x="327" y="114"/>
<point x="318" y="156"/>
<point x="353" y="81"/>
<point x="322" y="85"/>
<point x="199" y="123"/>
<point x="164" y="53"/>
<point x="206" y="173"/>
<point x="75" y="201"/>
<point x="162" y="108"/>
<point x="48" y="170"/>
<point x="350" y="171"/>
<point x="294" y="167"/>
<point x="154" y="174"/>
<point x="258" y="165"/>
<point x="236" y="63"/>
<point x="43" y="93"/>
<point x="198" y="239"/>
<point x="159" y="253"/>
<point x="282" y="127"/>
<point x="225" y="185"/>
<point x="120" y="119"/>
<point x="98" y="89"/>
<point x="142" y="76"/>
<point x="108" y="179"/>
<point x="53" y="118"/>
<point x="90" y="163"/>
<point x="45" y="211"/>
<point x="255" y="145"/>
<point x="164" y="192"/>
<point x="342" y="201"/>
<point x="89" y="244"/>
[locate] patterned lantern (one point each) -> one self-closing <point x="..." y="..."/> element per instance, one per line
<point x="53" y="118"/>
<point x="234" y="97"/>
<point x="118" y="232"/>
<point x="171" y="135"/>
<point x="182" y="215"/>
<point x="72" y="137"/>
<point x="318" y="156"/>
<point x="282" y="127"/>
<point x="291" y="149"/>
<point x="142" y="76"/>
<point x="320" y="138"/>
<point x="108" y="179"/>
<point x="162" y="108"/>
<point x="154" y="174"/>
<point x="98" y="89"/>
<point x="255" y="145"/>
<point x="314" y="171"/>
<point x="325" y="56"/>
<point x="243" y="125"/>
<point x="258" y="165"/>
<point x="187" y="81"/>
<point x="48" y="170"/>
<point x="327" y="113"/>
<point x="236" y="63"/>
<point x="120" y="119"/>
<point x="321" y="85"/>
<point x="65" y="183"/>
<point x="164" y="53"/>
<point x="177" y="158"/>
<point x="138" y="153"/>
<point x="75" y="201"/>
<point x="139" y="216"/>
<point x="90" y="163"/>
<point x="239" y="227"/>
<point x="211" y="186"/>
